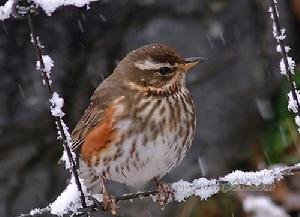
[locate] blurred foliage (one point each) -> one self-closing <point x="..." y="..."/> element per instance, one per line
<point x="220" y="205"/>
<point x="281" y="138"/>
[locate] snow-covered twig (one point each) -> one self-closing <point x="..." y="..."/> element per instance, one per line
<point x="44" y="64"/>
<point x="6" y="10"/>
<point x="287" y="64"/>
<point x="48" y="6"/>
<point x="204" y="188"/>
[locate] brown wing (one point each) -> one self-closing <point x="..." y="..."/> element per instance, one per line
<point x="93" y="115"/>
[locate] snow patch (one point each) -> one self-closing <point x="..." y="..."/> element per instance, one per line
<point x="287" y="49"/>
<point x="263" y="177"/>
<point x="57" y="104"/>
<point x="6" y="9"/>
<point x="262" y="206"/>
<point x="35" y="211"/>
<point x="50" y="6"/>
<point x="292" y="103"/>
<point x="202" y="187"/>
<point x="48" y="64"/>
<point x="297" y="120"/>
<point x="69" y="202"/>
<point x="291" y="64"/>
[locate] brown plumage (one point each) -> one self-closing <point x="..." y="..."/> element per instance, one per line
<point x="140" y="121"/>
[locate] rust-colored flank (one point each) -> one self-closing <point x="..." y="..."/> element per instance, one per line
<point x="100" y="137"/>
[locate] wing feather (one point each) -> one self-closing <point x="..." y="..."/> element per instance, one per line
<point x="93" y="115"/>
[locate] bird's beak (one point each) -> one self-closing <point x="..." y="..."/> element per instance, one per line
<point x="192" y="61"/>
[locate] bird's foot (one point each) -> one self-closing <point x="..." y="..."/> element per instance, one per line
<point x="165" y="193"/>
<point x="109" y="203"/>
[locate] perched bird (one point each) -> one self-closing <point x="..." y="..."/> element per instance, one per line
<point x="140" y="121"/>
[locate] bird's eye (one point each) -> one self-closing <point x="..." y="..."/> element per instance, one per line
<point x="164" y="70"/>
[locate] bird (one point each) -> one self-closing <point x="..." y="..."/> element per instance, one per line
<point x="140" y="122"/>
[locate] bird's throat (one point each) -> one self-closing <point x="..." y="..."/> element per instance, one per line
<point x="165" y="91"/>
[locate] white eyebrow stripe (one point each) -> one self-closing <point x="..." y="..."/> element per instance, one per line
<point x="150" y="65"/>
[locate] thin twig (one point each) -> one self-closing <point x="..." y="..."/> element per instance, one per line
<point x="282" y="45"/>
<point x="137" y="195"/>
<point x="40" y="212"/>
<point x="58" y="120"/>
<point x="98" y="206"/>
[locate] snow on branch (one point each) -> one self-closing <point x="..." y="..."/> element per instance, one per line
<point x="57" y="103"/>
<point x="6" y="10"/>
<point x="264" y="180"/>
<point x="49" y="6"/>
<point x="45" y="64"/>
<point x="287" y="64"/>
<point x="237" y="180"/>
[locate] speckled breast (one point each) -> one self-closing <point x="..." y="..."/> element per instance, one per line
<point x="154" y="134"/>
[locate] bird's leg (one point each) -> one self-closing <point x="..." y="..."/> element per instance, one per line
<point x="165" y="193"/>
<point x="109" y="202"/>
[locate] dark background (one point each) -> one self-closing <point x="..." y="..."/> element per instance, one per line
<point x="233" y="90"/>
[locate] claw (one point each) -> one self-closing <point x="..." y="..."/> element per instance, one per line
<point x="165" y="193"/>
<point x="109" y="202"/>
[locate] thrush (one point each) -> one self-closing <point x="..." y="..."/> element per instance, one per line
<point x="140" y="121"/>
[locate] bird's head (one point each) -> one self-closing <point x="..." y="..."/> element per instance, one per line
<point x="156" y="67"/>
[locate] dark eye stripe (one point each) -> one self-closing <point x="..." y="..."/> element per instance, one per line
<point x="165" y="70"/>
